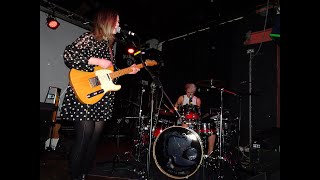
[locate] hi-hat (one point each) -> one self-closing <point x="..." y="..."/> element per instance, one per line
<point x="217" y="110"/>
<point x="211" y="83"/>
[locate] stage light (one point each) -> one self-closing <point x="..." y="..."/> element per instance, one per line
<point x="131" y="50"/>
<point x="52" y="23"/>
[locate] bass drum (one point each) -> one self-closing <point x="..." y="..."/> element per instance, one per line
<point x="178" y="152"/>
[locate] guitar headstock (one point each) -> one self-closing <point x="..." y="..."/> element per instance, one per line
<point x="149" y="62"/>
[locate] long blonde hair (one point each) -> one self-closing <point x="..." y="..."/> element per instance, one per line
<point x="103" y="25"/>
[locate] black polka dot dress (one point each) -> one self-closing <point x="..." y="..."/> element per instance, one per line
<point x="76" y="55"/>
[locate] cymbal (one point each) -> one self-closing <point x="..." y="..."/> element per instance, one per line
<point x="219" y="109"/>
<point x="215" y="118"/>
<point x="210" y="83"/>
<point x="216" y="110"/>
<point x="249" y="94"/>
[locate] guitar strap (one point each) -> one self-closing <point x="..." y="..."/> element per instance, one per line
<point x="113" y="51"/>
<point x="112" y="54"/>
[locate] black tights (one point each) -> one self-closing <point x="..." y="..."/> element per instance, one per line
<point x="87" y="135"/>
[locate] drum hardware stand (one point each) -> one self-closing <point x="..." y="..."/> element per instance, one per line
<point x="153" y="87"/>
<point x="221" y="158"/>
<point x="138" y="168"/>
<point x="220" y="139"/>
<point x="140" y="125"/>
<point x="137" y="146"/>
<point x="239" y="119"/>
<point x="155" y="83"/>
<point x="117" y="158"/>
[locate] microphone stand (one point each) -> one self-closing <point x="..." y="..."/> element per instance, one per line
<point x="140" y="125"/>
<point x="153" y="87"/>
<point x="151" y="113"/>
<point x="156" y="83"/>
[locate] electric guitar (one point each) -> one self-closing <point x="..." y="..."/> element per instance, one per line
<point x="90" y="87"/>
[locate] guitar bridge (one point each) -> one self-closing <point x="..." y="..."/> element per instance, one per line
<point x="95" y="93"/>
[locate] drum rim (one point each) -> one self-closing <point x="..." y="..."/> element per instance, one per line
<point x="160" y="168"/>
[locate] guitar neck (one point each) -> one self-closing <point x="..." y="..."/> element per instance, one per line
<point x="124" y="71"/>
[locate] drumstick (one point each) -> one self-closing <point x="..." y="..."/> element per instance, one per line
<point x="166" y="106"/>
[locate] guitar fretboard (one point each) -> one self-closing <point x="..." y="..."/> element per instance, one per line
<point x="124" y="71"/>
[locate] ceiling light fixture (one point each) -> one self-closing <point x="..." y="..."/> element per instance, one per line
<point x="52" y="22"/>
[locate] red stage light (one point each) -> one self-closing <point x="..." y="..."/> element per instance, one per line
<point x="130" y="50"/>
<point x="52" y="23"/>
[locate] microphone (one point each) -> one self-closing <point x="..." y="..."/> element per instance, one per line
<point x="190" y="100"/>
<point x="128" y="32"/>
<point x="119" y="30"/>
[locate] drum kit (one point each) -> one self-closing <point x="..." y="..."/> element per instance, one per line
<point x="189" y="144"/>
<point x="179" y="152"/>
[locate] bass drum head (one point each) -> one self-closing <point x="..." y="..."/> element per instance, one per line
<point x="178" y="152"/>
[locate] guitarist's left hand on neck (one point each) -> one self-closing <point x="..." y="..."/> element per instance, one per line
<point x="135" y="70"/>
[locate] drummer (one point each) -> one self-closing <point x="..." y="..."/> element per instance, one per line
<point x="189" y="100"/>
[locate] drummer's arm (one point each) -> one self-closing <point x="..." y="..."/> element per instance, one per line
<point x="179" y="102"/>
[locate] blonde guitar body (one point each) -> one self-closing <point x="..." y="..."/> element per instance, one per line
<point x="90" y="87"/>
<point x="83" y="87"/>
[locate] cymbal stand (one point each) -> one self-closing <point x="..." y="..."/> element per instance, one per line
<point x="156" y="83"/>
<point x="138" y="168"/>
<point x="116" y="158"/>
<point x="222" y="157"/>
<point x="153" y="88"/>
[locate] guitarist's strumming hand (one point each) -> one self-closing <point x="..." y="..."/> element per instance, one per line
<point x="134" y="69"/>
<point x="104" y="63"/>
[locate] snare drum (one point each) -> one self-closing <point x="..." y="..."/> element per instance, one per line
<point x="178" y="152"/>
